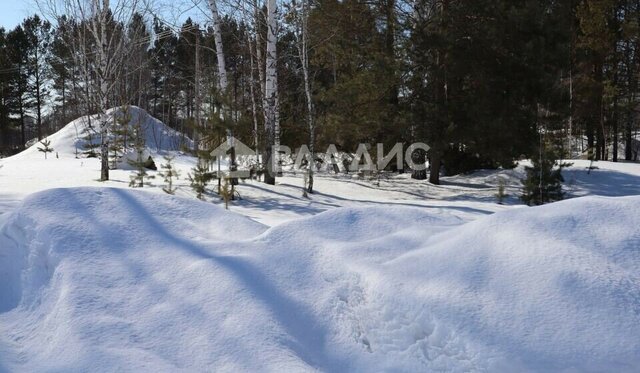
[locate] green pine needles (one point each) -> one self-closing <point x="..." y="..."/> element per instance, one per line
<point x="168" y="173"/>
<point x="119" y="136"/>
<point x="199" y="178"/>
<point x="140" y="176"/>
<point x="46" y="147"/>
<point x="543" y="183"/>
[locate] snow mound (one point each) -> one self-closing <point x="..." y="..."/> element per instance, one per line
<point x="110" y="279"/>
<point x="75" y="138"/>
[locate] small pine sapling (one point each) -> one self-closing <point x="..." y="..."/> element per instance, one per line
<point x="46" y="148"/>
<point x="501" y="195"/>
<point x="89" y="137"/>
<point x="140" y="174"/>
<point x="305" y="183"/>
<point x="199" y="179"/>
<point x="119" y="137"/>
<point x="543" y="183"/>
<point x="226" y="192"/>
<point x="168" y="173"/>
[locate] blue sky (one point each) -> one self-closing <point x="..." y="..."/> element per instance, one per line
<point x="12" y="12"/>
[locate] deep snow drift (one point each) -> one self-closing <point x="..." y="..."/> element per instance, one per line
<point x="112" y="279"/>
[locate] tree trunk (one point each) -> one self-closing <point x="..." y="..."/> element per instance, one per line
<point x="103" y="84"/>
<point x="434" y="172"/>
<point x="628" y="136"/>
<point x="22" y="126"/>
<point x="303" y="49"/>
<point x="615" y="129"/>
<point x="271" y="87"/>
<point x="217" y="36"/>
<point x="254" y="106"/>
<point x="38" y="98"/>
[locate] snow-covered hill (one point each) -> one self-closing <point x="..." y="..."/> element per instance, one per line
<point x="110" y="279"/>
<point x="72" y="140"/>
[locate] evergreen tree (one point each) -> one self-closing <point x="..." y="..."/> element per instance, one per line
<point x="45" y="148"/>
<point x="18" y="82"/>
<point x="168" y="173"/>
<point x="119" y="136"/>
<point x="199" y="178"/>
<point x="5" y="122"/>
<point x="64" y="72"/>
<point x="226" y="192"/>
<point x="543" y="182"/>
<point x="140" y="176"/>
<point x="89" y="137"/>
<point x="38" y="35"/>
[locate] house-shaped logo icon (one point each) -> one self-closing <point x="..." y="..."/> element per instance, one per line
<point x="222" y="151"/>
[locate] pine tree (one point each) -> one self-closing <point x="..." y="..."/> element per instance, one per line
<point x="226" y="192"/>
<point x="119" y="136"/>
<point x="140" y="174"/>
<point x="501" y="195"/>
<point x="169" y="173"/>
<point x="89" y="136"/>
<point x="543" y="183"/>
<point x="199" y="179"/>
<point x="45" y="147"/>
<point x="38" y="36"/>
<point x="18" y="84"/>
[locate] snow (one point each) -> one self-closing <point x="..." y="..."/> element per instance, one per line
<point x="365" y="275"/>
<point x="71" y="140"/>
<point x="105" y="277"/>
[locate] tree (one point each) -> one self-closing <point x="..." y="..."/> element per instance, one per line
<point x="18" y="83"/>
<point x="199" y="178"/>
<point x="271" y="93"/>
<point x="101" y="48"/>
<point x="5" y="65"/>
<point x="543" y="183"/>
<point x="45" y="148"/>
<point x="140" y="176"/>
<point x="301" y="31"/>
<point x="226" y="192"/>
<point x="217" y="34"/>
<point x="90" y="137"/>
<point x="38" y="36"/>
<point x="64" y="71"/>
<point x="480" y="73"/>
<point x="120" y="133"/>
<point x="168" y="174"/>
<point x="137" y="65"/>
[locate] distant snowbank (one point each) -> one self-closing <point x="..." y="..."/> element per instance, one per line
<point x="73" y="138"/>
<point x="109" y="279"/>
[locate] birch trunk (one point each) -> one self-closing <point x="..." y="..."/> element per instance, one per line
<point x="271" y="88"/>
<point x="303" y="51"/>
<point x="217" y="36"/>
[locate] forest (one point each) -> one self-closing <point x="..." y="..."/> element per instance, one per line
<point x="484" y="83"/>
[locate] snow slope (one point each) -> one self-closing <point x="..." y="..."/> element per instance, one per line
<point x="72" y="140"/>
<point x="106" y="279"/>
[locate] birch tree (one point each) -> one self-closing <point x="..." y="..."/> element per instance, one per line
<point x="301" y="21"/>
<point x="217" y="36"/>
<point x="102" y="28"/>
<point x="271" y="92"/>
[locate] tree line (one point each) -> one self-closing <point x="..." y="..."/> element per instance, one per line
<point x="484" y="83"/>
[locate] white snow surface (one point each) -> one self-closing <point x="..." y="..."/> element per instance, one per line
<point x="106" y="279"/>
<point x="390" y="274"/>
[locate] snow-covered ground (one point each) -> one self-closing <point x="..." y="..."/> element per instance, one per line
<point x="365" y="275"/>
